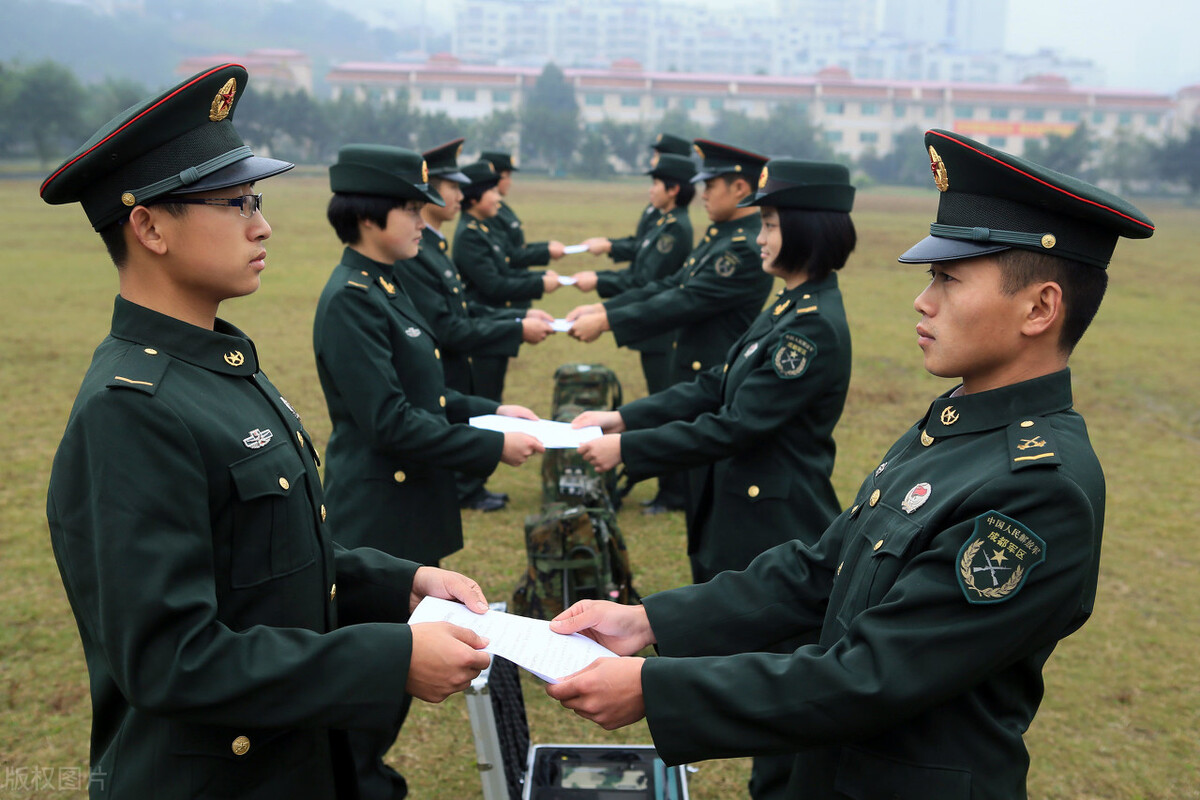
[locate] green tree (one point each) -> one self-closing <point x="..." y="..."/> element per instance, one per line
<point x="1180" y="161"/>
<point x="1066" y="154"/>
<point x="1125" y="159"/>
<point x="904" y="165"/>
<point x="51" y="101"/>
<point x="488" y="132"/>
<point x="627" y="141"/>
<point x="593" y="156"/>
<point x="676" y="121"/>
<point x="550" y="121"/>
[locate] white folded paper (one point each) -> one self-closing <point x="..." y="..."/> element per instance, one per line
<point x="572" y="249"/>
<point x="561" y="325"/>
<point x="566" y="280"/>
<point x="554" y="435"/>
<point x="528" y="643"/>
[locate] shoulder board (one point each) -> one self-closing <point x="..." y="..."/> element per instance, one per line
<point x="141" y="369"/>
<point x="1030" y="444"/>
<point x="362" y="286"/>
<point x="473" y="225"/>
<point x="807" y="304"/>
<point x="737" y="238"/>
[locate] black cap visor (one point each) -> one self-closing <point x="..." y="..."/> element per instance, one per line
<point x="248" y="170"/>
<point x="938" y="248"/>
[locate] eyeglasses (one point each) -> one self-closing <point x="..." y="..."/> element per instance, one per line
<point x="246" y="205"/>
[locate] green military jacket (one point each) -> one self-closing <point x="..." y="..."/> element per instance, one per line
<point x="389" y="470"/>
<point x="761" y="424"/>
<point x="968" y="553"/>
<point x="487" y="269"/>
<point x="217" y="616"/>
<point x="523" y="254"/>
<point x="435" y="288"/>
<point x="660" y="255"/>
<point x="626" y="247"/>
<point x="708" y="303"/>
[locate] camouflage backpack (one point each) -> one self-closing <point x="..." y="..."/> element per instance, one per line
<point x="566" y="477"/>
<point x="575" y="553"/>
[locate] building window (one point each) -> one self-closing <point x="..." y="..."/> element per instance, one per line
<point x="964" y="112"/>
<point x="593" y="99"/>
<point x="1124" y="118"/>
<point x="998" y="113"/>
<point x="930" y="112"/>
<point x="996" y="141"/>
<point x="1152" y="119"/>
<point x="501" y="96"/>
<point x="1035" y="114"/>
<point x="660" y="102"/>
<point x="431" y="94"/>
<point x="687" y="103"/>
<point x="1069" y="115"/>
<point x="631" y="100"/>
<point x="869" y="109"/>
<point x="868" y="137"/>
<point x="716" y="104"/>
<point x="832" y="107"/>
<point x="833" y="136"/>
<point x="899" y="110"/>
<point x="466" y="95"/>
<point x="1097" y="117"/>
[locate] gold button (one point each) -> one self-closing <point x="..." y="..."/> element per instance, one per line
<point x="752" y="491"/>
<point x="807" y="296"/>
<point x="726" y="368"/>
<point x="437" y="353"/>
<point x="150" y="351"/>
<point x="926" y="439"/>
<point x="333" y="593"/>
<point x="712" y="231"/>
<point x="839" y="569"/>
<point x="1048" y="241"/>
<point x="364" y="272"/>
<point x="696" y="366"/>
<point x="300" y="438"/>
<point x="241" y="745"/>
<point x="874" y="498"/>
<point x="878" y="545"/>
<point x="283" y="483"/>
<point x="399" y="476"/>
<point x="1027" y="423"/>
<point x="456" y="290"/>
<point x="442" y="401"/>
<point x="323" y="512"/>
<point x="464" y="305"/>
<point x="508" y="303"/>
<point x="854" y="511"/>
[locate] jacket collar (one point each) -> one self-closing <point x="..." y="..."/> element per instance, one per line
<point x="999" y="408"/>
<point x="225" y="349"/>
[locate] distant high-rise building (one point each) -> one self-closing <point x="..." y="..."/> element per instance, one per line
<point x="965" y="25"/>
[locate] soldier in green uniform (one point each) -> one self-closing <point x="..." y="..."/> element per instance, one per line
<point x="493" y="281"/>
<point x="465" y="330"/>
<point x="389" y="470"/>
<point x="220" y="623"/>
<point x="711" y="301"/>
<point x="969" y="552"/>
<point x="523" y="254"/>
<point x="761" y="425"/>
<point x="626" y="248"/>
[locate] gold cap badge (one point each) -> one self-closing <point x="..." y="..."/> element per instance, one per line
<point x="223" y="101"/>
<point x="941" y="178"/>
<point x="762" y="179"/>
<point x="424" y="172"/>
<point x="699" y="152"/>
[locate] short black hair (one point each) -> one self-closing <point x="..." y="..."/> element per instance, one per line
<point x="113" y="234"/>
<point x="687" y="191"/>
<point x="346" y="210"/>
<point x="473" y="193"/>
<point x="732" y="177"/>
<point x="817" y="242"/>
<point x="1082" y="285"/>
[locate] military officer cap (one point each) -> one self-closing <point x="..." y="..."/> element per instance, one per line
<point x="482" y="174"/>
<point x="381" y="169"/>
<point x="501" y="161"/>
<point x="721" y="159"/>
<point x="443" y="161"/>
<point x="672" y="167"/>
<point x="992" y="201"/>
<point x="180" y="142"/>
<point x="668" y="143"/>
<point x="810" y="185"/>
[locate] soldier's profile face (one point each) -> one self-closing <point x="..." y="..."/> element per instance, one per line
<point x="401" y="239"/>
<point x="660" y="198"/>
<point x="770" y="240"/>
<point x="720" y="199"/>
<point x="969" y="327"/>
<point x="505" y="183"/>
<point x="451" y="194"/>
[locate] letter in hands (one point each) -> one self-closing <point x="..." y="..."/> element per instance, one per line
<point x="588" y="327"/>
<point x="549" y="281"/>
<point x="556" y="249"/>
<point x="598" y="246"/>
<point x="607" y="421"/>
<point x="586" y="281"/>
<point x="535" y="329"/>
<point x="609" y="690"/>
<point x="445" y="658"/>
<point x="603" y="453"/>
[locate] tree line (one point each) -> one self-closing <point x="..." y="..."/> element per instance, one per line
<point x="46" y="112"/>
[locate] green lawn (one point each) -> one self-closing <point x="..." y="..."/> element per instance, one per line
<point x="1121" y="717"/>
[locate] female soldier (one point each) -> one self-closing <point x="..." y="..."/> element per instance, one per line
<point x="481" y="255"/>
<point x="763" y="421"/>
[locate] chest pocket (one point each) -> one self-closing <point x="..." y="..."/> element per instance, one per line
<point x="272" y="532"/>
<point x="880" y="550"/>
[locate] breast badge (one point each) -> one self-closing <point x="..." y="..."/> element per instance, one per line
<point x="794" y="354"/>
<point x="997" y="558"/>
<point x="258" y="438"/>
<point x="412" y="333"/>
<point x="916" y="497"/>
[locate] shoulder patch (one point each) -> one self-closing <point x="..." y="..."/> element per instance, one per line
<point x="995" y="561"/>
<point x="1030" y="444"/>
<point x="793" y="355"/>
<point x="665" y="243"/>
<point x="141" y="369"/>
<point x="727" y="264"/>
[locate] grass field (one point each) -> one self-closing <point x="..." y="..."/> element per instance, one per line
<point x="1121" y="717"/>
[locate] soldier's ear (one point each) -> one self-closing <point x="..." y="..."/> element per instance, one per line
<point x="145" y="228"/>
<point x="1044" y="310"/>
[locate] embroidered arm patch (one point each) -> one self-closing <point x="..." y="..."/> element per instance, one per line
<point x="793" y="355"/>
<point x="997" y="558"/>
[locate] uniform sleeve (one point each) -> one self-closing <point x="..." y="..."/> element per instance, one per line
<point x="919" y="645"/>
<point x="612" y="282"/>
<point x="624" y="248"/>
<point x="708" y="292"/>
<point x="457" y="331"/>
<point x="683" y="401"/>
<point x="358" y="360"/>
<point x="531" y="254"/>
<point x="135" y="539"/>
<point x="479" y="265"/>
<point x="461" y="407"/>
<point x="766" y="400"/>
